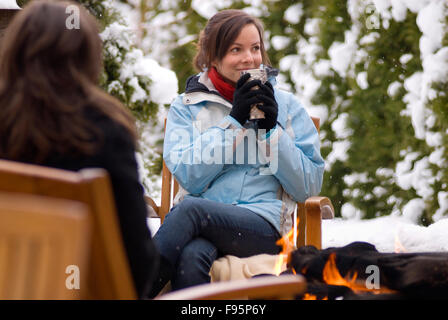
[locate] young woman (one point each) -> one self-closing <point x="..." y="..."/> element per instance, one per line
<point x="53" y="113"/>
<point x="239" y="187"/>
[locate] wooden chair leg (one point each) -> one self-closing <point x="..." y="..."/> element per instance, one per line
<point x="302" y="223"/>
<point x="313" y="228"/>
<point x="166" y="193"/>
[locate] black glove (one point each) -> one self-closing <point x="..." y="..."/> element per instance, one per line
<point x="244" y="97"/>
<point x="269" y="107"/>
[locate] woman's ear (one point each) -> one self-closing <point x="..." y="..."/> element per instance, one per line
<point x="215" y="63"/>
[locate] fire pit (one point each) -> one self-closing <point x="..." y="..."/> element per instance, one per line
<point x="359" y="271"/>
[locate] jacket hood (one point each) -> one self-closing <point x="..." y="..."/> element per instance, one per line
<point x="193" y="84"/>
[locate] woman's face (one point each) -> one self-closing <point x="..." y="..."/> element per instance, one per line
<point x="244" y="53"/>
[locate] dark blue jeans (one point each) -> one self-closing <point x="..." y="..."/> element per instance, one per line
<point x="197" y="231"/>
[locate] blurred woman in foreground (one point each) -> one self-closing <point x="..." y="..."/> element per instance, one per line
<point x="53" y="113"/>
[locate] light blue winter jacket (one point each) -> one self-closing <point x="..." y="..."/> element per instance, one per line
<point x="213" y="157"/>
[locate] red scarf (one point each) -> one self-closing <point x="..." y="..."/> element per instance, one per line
<point x="223" y="87"/>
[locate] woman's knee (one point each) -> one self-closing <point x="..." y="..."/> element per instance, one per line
<point x="193" y="209"/>
<point x="199" y="250"/>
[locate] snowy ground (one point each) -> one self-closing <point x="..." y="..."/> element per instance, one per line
<point x="388" y="234"/>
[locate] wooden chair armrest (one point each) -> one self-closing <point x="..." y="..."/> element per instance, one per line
<point x="316" y="209"/>
<point x="322" y="204"/>
<point x="267" y="287"/>
<point x="150" y="202"/>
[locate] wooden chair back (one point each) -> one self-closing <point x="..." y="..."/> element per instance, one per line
<point x="309" y="213"/>
<point x="44" y="243"/>
<point x="108" y="273"/>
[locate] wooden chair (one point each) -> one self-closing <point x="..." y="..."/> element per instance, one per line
<point x="310" y="213"/>
<point x="107" y="274"/>
<point x="44" y="242"/>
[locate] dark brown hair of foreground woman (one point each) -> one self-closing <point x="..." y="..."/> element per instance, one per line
<point x="48" y="75"/>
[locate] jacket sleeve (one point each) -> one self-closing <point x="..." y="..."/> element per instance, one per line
<point x="295" y="158"/>
<point x="119" y="160"/>
<point x="194" y="156"/>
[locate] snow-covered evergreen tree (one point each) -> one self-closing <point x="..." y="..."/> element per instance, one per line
<point x="139" y="81"/>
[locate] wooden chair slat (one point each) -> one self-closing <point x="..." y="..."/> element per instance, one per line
<point x="40" y="237"/>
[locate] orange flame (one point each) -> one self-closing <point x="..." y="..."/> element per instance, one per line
<point x="332" y="276"/>
<point x="399" y="248"/>
<point x="308" y="296"/>
<point x="287" y="243"/>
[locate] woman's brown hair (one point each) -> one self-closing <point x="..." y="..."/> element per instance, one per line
<point x="220" y="32"/>
<point x="48" y="80"/>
